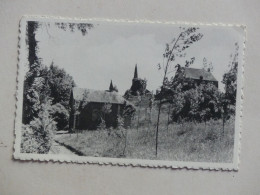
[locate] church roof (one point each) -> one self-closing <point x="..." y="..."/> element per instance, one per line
<point x="194" y="73"/>
<point x="97" y="96"/>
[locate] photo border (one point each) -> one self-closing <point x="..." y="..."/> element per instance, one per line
<point x="22" y="58"/>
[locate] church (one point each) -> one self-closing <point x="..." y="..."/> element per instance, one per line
<point x="138" y="94"/>
<point x="89" y="107"/>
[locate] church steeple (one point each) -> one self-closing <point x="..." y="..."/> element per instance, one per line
<point x="136" y="74"/>
<point x="111" y="87"/>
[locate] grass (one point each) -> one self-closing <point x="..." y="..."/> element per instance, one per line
<point x="197" y="142"/>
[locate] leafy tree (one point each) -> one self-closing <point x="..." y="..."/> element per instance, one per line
<point x="38" y="136"/>
<point x="228" y="101"/>
<point x="82" y="27"/>
<point x="176" y="48"/>
<point x="60" y="84"/>
<point x="102" y="124"/>
<point x="230" y="78"/>
<point x="44" y="87"/>
<point x="106" y="109"/>
<point x="199" y="104"/>
<point x="128" y="113"/>
<point x="37" y="74"/>
<point x="61" y="116"/>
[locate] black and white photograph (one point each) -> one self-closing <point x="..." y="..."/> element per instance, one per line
<point x="126" y="92"/>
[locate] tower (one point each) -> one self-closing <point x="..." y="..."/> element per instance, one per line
<point x="136" y="74"/>
<point x="111" y="87"/>
<point x="138" y="85"/>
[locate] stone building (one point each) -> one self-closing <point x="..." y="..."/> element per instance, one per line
<point x="89" y="106"/>
<point x="191" y="77"/>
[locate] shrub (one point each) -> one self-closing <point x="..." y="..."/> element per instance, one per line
<point x="61" y="115"/>
<point x="102" y="124"/>
<point x="37" y="137"/>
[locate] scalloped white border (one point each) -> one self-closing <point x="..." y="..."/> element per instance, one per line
<point x="118" y="161"/>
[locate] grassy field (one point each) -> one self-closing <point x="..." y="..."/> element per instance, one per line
<point x="198" y="142"/>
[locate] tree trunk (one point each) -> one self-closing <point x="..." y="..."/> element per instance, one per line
<point x="138" y="118"/>
<point x="74" y="122"/>
<point x="125" y="142"/>
<point x="168" y="117"/>
<point x="149" y="120"/>
<point x="223" y="125"/>
<point x="157" y="129"/>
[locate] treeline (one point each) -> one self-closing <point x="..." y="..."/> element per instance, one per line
<point x="45" y="106"/>
<point x="204" y="101"/>
<point x="46" y="97"/>
<point x="187" y="100"/>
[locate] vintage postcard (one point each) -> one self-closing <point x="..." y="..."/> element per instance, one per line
<point x="140" y="93"/>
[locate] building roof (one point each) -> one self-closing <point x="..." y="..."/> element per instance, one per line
<point x="194" y="73"/>
<point x="97" y="96"/>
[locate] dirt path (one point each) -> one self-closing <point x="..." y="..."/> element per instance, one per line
<point x="56" y="148"/>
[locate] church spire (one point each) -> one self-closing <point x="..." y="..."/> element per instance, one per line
<point x="111" y="87"/>
<point x="135" y="74"/>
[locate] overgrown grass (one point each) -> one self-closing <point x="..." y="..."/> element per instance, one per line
<point x="198" y="142"/>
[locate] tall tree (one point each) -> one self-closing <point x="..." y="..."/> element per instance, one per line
<point x="230" y="77"/>
<point x="39" y="84"/>
<point x="61" y="84"/>
<point x="175" y="49"/>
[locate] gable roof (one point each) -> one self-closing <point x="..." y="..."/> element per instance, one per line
<point x="194" y="73"/>
<point x="97" y="96"/>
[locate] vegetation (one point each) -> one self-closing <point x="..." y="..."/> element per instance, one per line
<point x="176" y="49"/>
<point x="185" y="121"/>
<point x="46" y="95"/>
<point x="189" y="141"/>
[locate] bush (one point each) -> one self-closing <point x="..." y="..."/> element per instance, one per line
<point x="37" y="137"/>
<point x="61" y="115"/>
<point x="102" y="124"/>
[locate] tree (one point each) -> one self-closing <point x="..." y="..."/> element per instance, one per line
<point x="38" y="74"/>
<point x="106" y="109"/>
<point x="82" y="27"/>
<point x="228" y="102"/>
<point x="230" y="77"/>
<point x="176" y="48"/>
<point x="43" y="88"/>
<point x="39" y="134"/>
<point x="60" y="84"/>
<point x="198" y="104"/>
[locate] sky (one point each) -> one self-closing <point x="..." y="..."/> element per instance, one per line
<point x="109" y="51"/>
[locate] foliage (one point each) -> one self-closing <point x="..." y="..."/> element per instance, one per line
<point x="102" y="124"/>
<point x="201" y="103"/>
<point x="37" y="137"/>
<point x="82" y="27"/>
<point x="106" y="108"/>
<point x="230" y="78"/>
<point x="61" y="116"/>
<point x="176" y="48"/>
<point x="60" y="84"/>
<point x="182" y="142"/>
<point x="46" y="95"/>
